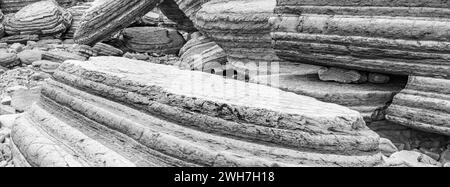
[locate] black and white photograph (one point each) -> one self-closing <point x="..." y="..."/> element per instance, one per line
<point x="245" y="84"/>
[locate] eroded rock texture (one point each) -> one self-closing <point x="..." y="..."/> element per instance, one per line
<point x="182" y="12"/>
<point x="241" y="28"/>
<point x="370" y="100"/>
<point x="77" y="13"/>
<point x="398" y="37"/>
<point x="424" y="105"/>
<point x="153" y="40"/>
<point x="126" y="105"/>
<point x="44" y="18"/>
<point x="202" y="54"/>
<point x="96" y="24"/>
<point x="13" y="6"/>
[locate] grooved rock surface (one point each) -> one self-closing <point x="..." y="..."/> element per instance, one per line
<point x="103" y="49"/>
<point x="61" y="56"/>
<point x="77" y="13"/>
<point x="97" y="23"/>
<point x="202" y="54"/>
<point x="23" y="39"/>
<point x="241" y="28"/>
<point x="153" y="40"/>
<point x="44" y="18"/>
<point x="424" y="105"/>
<point x="213" y="121"/>
<point x="396" y="37"/>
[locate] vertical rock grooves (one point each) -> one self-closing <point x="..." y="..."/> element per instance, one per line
<point x="207" y="127"/>
<point x="424" y="105"/>
<point x="107" y="17"/>
<point x="398" y="37"/>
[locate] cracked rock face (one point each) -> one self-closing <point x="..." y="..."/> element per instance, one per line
<point x="132" y="100"/>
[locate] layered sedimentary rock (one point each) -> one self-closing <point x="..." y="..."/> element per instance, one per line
<point x="121" y="109"/>
<point x="23" y="39"/>
<point x="61" y="56"/>
<point x="398" y="37"/>
<point x="9" y="59"/>
<point x="107" y="50"/>
<point x="202" y="54"/>
<point x="182" y="12"/>
<point x="153" y="40"/>
<point x="44" y="18"/>
<point x="424" y="105"/>
<point x="371" y="100"/>
<point x="241" y="28"/>
<point x="77" y="13"/>
<point x="96" y="23"/>
<point x="13" y="6"/>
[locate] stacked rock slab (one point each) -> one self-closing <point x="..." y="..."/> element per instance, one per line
<point x="424" y="105"/>
<point x="96" y="26"/>
<point x="394" y="37"/>
<point x="153" y="40"/>
<point x="44" y="18"/>
<point x="134" y="113"/>
<point x="202" y="54"/>
<point x="241" y="28"/>
<point x="398" y="37"/>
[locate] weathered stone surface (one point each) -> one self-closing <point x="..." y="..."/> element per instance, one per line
<point x="77" y="13"/>
<point x="23" y="39"/>
<point x="370" y="100"/>
<point x="378" y="78"/>
<point x="424" y="104"/>
<point x="395" y="37"/>
<point x="84" y="51"/>
<point x="153" y="40"/>
<point x="24" y="98"/>
<point x="9" y="59"/>
<point x="13" y="6"/>
<point x="61" y="56"/>
<point x="30" y="56"/>
<point x="243" y="125"/>
<point x="412" y="159"/>
<point x="341" y="75"/>
<point x="241" y="28"/>
<point x="48" y="66"/>
<point x="202" y="54"/>
<point x="44" y="18"/>
<point x="103" y="49"/>
<point x="182" y="12"/>
<point x="123" y="12"/>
